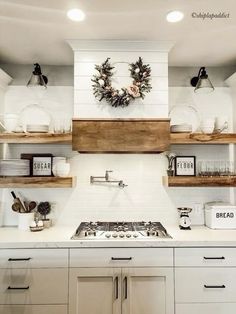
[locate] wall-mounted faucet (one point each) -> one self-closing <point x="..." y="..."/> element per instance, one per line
<point x="106" y="179"/>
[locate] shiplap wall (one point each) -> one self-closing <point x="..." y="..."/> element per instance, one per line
<point x="154" y="105"/>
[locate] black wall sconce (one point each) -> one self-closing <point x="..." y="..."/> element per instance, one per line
<point x="201" y="82"/>
<point x="37" y="78"/>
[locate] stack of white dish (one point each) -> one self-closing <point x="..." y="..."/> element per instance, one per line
<point x="14" y="167"/>
<point x="37" y="128"/>
<point x="181" y="128"/>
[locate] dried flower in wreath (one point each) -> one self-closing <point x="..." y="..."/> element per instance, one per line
<point x="102" y="85"/>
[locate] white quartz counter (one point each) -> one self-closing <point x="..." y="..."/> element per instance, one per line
<point x="59" y="237"/>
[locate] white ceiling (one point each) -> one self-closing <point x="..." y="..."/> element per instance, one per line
<point x="36" y="30"/>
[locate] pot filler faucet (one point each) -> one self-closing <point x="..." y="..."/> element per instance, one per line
<point x="106" y="179"/>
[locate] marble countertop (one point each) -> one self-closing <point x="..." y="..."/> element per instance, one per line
<point x="59" y="237"/>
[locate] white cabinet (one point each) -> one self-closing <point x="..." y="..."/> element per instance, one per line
<point x="94" y="291"/>
<point x="121" y="281"/>
<point x="116" y="291"/>
<point x="33" y="309"/>
<point x="196" y="285"/>
<point x="147" y="290"/>
<point x="33" y="281"/>
<point x="205" y="280"/>
<point x="206" y="308"/>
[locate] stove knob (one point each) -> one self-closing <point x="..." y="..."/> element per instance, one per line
<point x="148" y="233"/>
<point x="94" y="233"/>
<point x="107" y="235"/>
<point x="128" y="235"/>
<point x="157" y="234"/>
<point x="135" y="235"/>
<point x="121" y="235"/>
<point x="86" y="234"/>
<point x="115" y="235"/>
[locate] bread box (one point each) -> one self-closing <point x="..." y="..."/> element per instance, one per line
<point x="220" y="215"/>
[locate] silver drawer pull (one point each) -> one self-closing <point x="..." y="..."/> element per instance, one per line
<point x="18" y="288"/>
<point x="121" y="258"/>
<point x="214" y="287"/>
<point x="19" y="259"/>
<point x="220" y="257"/>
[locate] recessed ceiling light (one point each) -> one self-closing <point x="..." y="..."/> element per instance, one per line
<point x="76" y="15"/>
<point x="174" y="16"/>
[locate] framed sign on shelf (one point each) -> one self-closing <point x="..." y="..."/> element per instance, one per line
<point x="40" y="164"/>
<point x="185" y="166"/>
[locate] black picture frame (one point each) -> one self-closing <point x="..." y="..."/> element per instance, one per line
<point x="185" y="166"/>
<point x="43" y="158"/>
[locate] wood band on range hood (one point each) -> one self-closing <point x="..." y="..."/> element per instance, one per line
<point x="121" y="135"/>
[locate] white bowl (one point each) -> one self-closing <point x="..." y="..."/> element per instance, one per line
<point x="62" y="169"/>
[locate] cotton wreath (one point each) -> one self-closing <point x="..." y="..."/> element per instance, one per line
<point x="102" y="84"/>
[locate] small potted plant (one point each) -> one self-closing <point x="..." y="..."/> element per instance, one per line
<point x="171" y="157"/>
<point x="44" y="208"/>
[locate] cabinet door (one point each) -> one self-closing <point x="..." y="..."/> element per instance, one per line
<point x="206" y="308"/>
<point x="33" y="309"/>
<point x="95" y="291"/>
<point x="147" y="290"/>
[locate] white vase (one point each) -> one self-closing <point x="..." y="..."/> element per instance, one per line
<point x="24" y="221"/>
<point x="62" y="169"/>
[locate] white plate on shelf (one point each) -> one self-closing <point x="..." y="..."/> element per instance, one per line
<point x="184" y="115"/>
<point x="181" y="128"/>
<point x="37" y="128"/>
<point x="34" y="115"/>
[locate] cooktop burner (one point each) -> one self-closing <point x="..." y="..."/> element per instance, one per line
<point x="120" y="230"/>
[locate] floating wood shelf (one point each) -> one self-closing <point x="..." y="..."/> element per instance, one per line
<point x="37" y="182"/>
<point x="36" y="138"/>
<point x="182" y="181"/>
<point x="200" y="138"/>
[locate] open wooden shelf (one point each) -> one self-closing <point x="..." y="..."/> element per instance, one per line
<point x="182" y="181"/>
<point x="36" y="138"/>
<point x="200" y="138"/>
<point x="37" y="182"/>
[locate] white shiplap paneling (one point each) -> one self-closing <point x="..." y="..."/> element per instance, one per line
<point x="85" y="83"/>
<point x="152" y="98"/>
<point x="120" y="56"/>
<point x="121" y="69"/>
<point x="101" y="110"/>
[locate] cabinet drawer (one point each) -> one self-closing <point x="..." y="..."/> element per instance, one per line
<point x="218" y="257"/>
<point x="33" y="309"/>
<point x="37" y="286"/>
<point x="204" y="257"/>
<point x="121" y="257"/>
<point x="33" y="258"/>
<point x="205" y="285"/>
<point x="206" y="308"/>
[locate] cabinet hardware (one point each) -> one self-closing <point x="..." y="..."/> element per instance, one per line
<point x="126" y="287"/>
<point x="214" y="287"/>
<point x="19" y="259"/>
<point x="121" y="258"/>
<point x="221" y="257"/>
<point x="17" y="288"/>
<point x="116" y="287"/>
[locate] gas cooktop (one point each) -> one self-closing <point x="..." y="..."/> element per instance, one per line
<point x="120" y="230"/>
